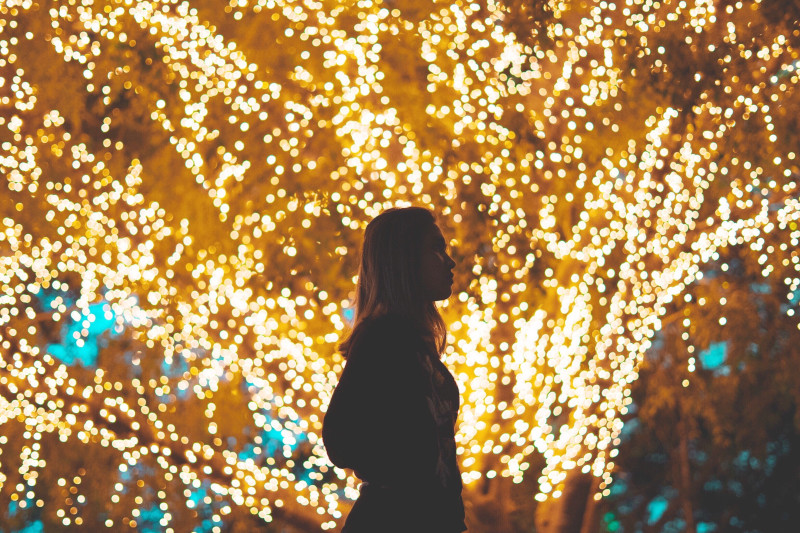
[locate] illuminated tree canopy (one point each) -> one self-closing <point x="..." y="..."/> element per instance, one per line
<point x="186" y="185"/>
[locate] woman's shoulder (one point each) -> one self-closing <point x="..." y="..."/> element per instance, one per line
<point x="384" y="334"/>
<point x="387" y="324"/>
<point x="390" y="323"/>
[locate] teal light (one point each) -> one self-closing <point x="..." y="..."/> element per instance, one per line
<point x="70" y="350"/>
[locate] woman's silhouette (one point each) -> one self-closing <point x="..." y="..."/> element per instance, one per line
<point x="392" y="416"/>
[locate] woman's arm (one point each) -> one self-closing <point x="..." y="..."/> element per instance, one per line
<point x="378" y="422"/>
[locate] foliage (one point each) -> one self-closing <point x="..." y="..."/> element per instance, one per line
<point x="715" y="436"/>
<point x="199" y="176"/>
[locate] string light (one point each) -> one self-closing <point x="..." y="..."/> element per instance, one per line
<point x="595" y="202"/>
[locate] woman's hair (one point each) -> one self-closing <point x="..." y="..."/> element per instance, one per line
<point x="389" y="275"/>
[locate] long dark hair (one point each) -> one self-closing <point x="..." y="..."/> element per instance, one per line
<point x="388" y="276"/>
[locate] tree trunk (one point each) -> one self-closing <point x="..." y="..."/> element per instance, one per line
<point x="685" y="473"/>
<point x="489" y="507"/>
<point x="589" y="524"/>
<point x="566" y="514"/>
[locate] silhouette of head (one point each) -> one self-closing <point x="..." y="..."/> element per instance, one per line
<point x="404" y="270"/>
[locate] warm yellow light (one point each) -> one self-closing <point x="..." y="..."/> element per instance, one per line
<point x="590" y="204"/>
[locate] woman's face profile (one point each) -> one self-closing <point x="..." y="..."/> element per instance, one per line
<point x="436" y="266"/>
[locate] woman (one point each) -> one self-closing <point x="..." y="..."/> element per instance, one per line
<point x="392" y="416"/>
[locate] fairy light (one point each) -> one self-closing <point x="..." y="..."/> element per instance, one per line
<point x="593" y="210"/>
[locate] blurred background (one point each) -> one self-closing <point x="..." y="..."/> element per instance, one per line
<point x="185" y="186"/>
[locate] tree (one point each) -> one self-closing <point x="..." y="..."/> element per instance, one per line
<point x="202" y="176"/>
<point x="713" y="441"/>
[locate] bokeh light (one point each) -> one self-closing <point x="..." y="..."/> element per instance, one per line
<point x="186" y="184"/>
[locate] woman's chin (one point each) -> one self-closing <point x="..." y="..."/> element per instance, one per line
<point x="445" y="294"/>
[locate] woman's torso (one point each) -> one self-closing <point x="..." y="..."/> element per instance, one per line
<point x="392" y="420"/>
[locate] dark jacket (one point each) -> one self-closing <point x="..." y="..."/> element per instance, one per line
<point x="386" y="421"/>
